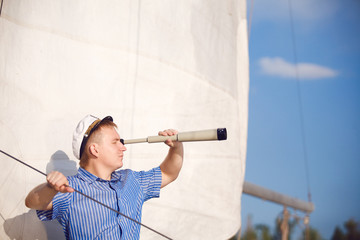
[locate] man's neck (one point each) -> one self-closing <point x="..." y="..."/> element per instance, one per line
<point x="99" y="170"/>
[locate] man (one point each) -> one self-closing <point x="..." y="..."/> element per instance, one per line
<point x="98" y="146"/>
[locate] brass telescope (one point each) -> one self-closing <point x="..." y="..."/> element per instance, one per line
<point x="202" y="135"/>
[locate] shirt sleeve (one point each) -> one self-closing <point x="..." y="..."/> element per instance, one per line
<point x="60" y="205"/>
<point x="150" y="182"/>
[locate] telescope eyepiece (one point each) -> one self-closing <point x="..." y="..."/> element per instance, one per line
<point x="221" y="134"/>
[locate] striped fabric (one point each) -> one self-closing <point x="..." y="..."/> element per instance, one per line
<point x="83" y="218"/>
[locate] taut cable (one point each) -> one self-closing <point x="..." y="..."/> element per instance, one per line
<point x="102" y="204"/>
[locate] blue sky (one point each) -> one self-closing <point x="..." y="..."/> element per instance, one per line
<point x="327" y="50"/>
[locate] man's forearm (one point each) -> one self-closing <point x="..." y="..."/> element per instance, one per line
<point x="172" y="164"/>
<point x="40" y="198"/>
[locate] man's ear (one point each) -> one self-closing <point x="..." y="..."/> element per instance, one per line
<point x="94" y="149"/>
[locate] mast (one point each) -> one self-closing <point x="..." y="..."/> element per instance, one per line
<point x="276" y="197"/>
<point x="282" y="199"/>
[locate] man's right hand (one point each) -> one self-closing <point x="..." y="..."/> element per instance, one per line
<point x="58" y="182"/>
<point x="40" y="198"/>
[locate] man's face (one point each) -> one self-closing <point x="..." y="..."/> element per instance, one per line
<point x="111" y="150"/>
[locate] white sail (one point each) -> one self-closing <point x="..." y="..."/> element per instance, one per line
<point x="151" y="65"/>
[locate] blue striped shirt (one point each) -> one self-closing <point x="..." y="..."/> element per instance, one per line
<point x="82" y="218"/>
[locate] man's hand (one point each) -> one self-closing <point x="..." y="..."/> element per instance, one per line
<point x="169" y="132"/>
<point x="58" y="182"/>
<point x="40" y="198"/>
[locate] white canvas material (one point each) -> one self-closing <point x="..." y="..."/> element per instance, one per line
<point x="151" y="65"/>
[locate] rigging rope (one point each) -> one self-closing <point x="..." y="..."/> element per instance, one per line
<point x="1" y="6"/>
<point x="77" y="191"/>
<point x="302" y="128"/>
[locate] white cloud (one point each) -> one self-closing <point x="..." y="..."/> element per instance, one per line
<point x="279" y="67"/>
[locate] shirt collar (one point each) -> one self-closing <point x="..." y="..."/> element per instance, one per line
<point x="91" y="178"/>
<point x="116" y="176"/>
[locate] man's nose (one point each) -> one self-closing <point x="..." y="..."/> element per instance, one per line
<point x="122" y="147"/>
